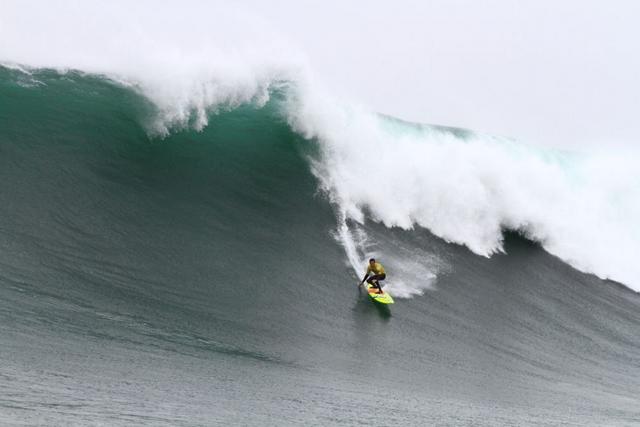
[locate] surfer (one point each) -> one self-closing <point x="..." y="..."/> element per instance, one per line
<point x="378" y="274"/>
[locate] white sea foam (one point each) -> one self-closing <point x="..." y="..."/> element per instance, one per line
<point x="466" y="189"/>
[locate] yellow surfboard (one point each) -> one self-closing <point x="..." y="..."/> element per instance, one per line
<point x="382" y="298"/>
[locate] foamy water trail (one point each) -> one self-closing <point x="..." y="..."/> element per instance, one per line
<point x="351" y="248"/>
<point x="409" y="273"/>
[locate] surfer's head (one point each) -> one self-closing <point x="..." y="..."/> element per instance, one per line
<point x="372" y="261"/>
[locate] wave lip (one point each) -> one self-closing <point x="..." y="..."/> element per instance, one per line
<point x="209" y="58"/>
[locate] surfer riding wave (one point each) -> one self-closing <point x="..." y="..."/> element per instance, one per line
<point x="375" y="273"/>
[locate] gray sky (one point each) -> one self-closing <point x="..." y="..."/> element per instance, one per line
<point x="549" y="72"/>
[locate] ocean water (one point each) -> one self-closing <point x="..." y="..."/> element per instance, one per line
<point x="203" y="271"/>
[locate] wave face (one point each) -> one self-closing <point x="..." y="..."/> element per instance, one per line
<point x="202" y="278"/>
<point x="463" y="187"/>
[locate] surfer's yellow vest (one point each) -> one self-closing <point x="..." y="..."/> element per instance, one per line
<point x="377" y="268"/>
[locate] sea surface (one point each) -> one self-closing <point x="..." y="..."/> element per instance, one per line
<point x="199" y="275"/>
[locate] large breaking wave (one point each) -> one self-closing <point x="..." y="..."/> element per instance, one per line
<point x="464" y="187"/>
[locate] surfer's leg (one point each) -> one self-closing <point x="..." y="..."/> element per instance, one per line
<point x="374" y="280"/>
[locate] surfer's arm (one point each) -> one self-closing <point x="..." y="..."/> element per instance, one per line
<point x="365" y="277"/>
